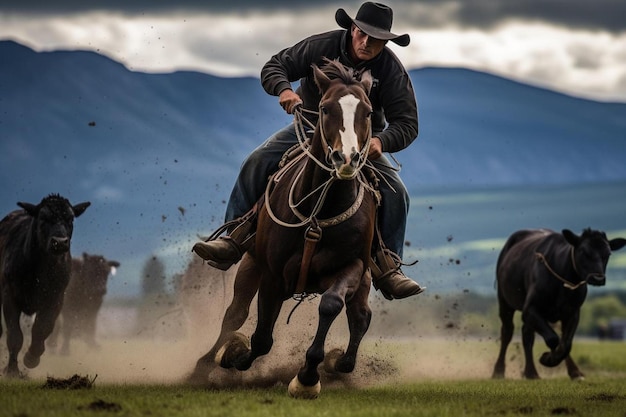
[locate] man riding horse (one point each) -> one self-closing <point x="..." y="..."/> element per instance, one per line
<point x="362" y="46"/>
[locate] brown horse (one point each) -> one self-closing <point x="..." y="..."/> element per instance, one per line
<point x="314" y="236"/>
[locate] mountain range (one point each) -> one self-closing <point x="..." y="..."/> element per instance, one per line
<point x="157" y="154"/>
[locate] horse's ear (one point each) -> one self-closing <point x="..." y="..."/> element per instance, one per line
<point x="321" y="79"/>
<point x="367" y="81"/>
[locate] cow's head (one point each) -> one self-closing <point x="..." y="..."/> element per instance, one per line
<point x="95" y="269"/>
<point x="592" y="250"/>
<point x="54" y="222"/>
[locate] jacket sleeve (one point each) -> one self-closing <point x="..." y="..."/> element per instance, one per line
<point x="401" y="114"/>
<point x="285" y="67"/>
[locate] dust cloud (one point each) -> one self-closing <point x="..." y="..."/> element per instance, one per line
<point x="408" y="341"/>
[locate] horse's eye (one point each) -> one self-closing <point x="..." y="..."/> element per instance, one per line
<point x="324" y="110"/>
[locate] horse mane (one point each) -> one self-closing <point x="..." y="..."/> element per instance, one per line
<point x="334" y="69"/>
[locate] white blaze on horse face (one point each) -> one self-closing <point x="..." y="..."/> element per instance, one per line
<point x="349" y="140"/>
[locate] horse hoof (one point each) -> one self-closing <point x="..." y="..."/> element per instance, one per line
<point x="302" y="392"/>
<point x="330" y="360"/>
<point x="31" y="361"/>
<point x="238" y="345"/>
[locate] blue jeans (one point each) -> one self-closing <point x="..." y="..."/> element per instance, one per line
<point x="263" y="162"/>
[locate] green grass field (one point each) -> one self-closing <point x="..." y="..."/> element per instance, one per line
<point x="435" y="369"/>
<point x="431" y="377"/>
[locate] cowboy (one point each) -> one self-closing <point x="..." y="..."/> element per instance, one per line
<point x="361" y="46"/>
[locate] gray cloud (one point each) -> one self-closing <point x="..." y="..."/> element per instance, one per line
<point x="605" y="15"/>
<point x="572" y="46"/>
<point x="579" y="14"/>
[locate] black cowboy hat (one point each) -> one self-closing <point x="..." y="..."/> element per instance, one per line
<point x="374" y="19"/>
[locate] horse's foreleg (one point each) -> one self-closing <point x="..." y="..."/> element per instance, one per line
<point x="270" y="301"/>
<point x="307" y="383"/>
<point x="245" y="288"/>
<point x="359" y="316"/>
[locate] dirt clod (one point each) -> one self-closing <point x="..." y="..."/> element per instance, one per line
<point x="74" y="382"/>
<point x="101" y="405"/>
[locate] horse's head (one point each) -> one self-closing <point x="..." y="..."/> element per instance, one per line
<point x="344" y="117"/>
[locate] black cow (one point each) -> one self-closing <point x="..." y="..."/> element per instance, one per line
<point x="544" y="275"/>
<point x="83" y="298"/>
<point x="34" y="271"/>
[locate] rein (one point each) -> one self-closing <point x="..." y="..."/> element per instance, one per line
<point x="313" y="233"/>
<point x="567" y="284"/>
<point x="307" y="220"/>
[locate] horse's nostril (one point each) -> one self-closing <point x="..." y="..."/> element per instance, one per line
<point x="355" y="159"/>
<point x="337" y="157"/>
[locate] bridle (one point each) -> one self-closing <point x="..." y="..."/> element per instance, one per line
<point x="313" y="232"/>
<point x="301" y="123"/>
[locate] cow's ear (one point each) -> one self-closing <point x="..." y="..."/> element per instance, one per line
<point x="80" y="208"/>
<point x="115" y="264"/>
<point x="571" y="237"/>
<point x="617" y="243"/>
<point x="31" y="209"/>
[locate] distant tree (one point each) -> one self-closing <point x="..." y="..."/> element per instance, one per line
<point x="598" y="311"/>
<point x="153" y="277"/>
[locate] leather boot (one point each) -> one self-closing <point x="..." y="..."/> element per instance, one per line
<point x="389" y="279"/>
<point x="225" y="251"/>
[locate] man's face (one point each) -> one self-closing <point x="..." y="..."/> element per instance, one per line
<point x="365" y="47"/>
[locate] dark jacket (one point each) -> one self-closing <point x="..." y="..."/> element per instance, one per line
<point x="392" y="95"/>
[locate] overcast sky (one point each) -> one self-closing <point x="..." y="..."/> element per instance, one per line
<point x="574" y="46"/>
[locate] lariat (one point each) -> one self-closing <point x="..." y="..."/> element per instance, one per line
<point x="567" y="284"/>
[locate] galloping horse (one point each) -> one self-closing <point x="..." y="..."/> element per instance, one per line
<point x="314" y="236"/>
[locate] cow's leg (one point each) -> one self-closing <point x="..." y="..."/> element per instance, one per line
<point x="15" y="338"/>
<point x="572" y="369"/>
<point x="528" y="340"/>
<point x="531" y="317"/>
<point x="307" y="383"/>
<point x="42" y="328"/>
<point x="359" y="316"/>
<point x="562" y="350"/>
<point x="91" y="319"/>
<point x="506" y="334"/>
<point x="69" y="322"/>
<point x="246" y="286"/>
